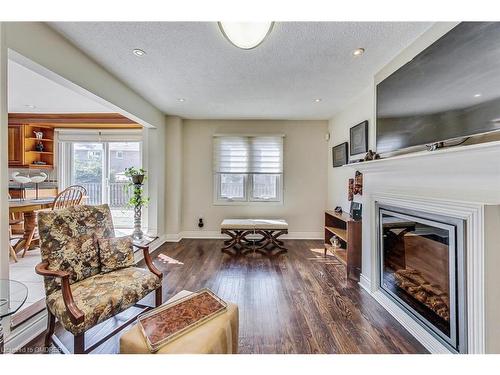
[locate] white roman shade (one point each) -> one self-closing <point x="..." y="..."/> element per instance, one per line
<point x="248" y="154"/>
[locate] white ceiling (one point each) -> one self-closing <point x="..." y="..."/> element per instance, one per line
<point x="300" y="61"/>
<point x="27" y="89"/>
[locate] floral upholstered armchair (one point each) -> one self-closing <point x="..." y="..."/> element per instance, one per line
<point x="90" y="275"/>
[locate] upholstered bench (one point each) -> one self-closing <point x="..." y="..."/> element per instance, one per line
<point x="267" y="231"/>
<point x="216" y="336"/>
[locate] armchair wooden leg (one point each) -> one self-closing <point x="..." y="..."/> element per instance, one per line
<point x="158" y="296"/>
<point x="79" y="344"/>
<point x="51" y="322"/>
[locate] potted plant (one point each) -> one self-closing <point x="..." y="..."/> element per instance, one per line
<point x="136" y="174"/>
<point x="137" y="200"/>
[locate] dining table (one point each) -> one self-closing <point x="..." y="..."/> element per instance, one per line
<point x="28" y="207"/>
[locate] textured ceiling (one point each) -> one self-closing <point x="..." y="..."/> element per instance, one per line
<point x="280" y="79"/>
<point x="29" y="92"/>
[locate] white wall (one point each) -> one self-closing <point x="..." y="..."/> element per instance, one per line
<point x="4" y="179"/>
<point x="305" y="180"/>
<point x="360" y="109"/>
<point x="173" y="169"/>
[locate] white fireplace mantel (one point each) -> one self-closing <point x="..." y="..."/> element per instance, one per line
<point x="461" y="182"/>
<point x="472" y="214"/>
<point x="484" y="151"/>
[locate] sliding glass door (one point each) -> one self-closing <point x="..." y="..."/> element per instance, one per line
<point x="100" y="168"/>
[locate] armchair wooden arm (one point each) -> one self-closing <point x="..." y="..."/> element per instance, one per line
<point x="75" y="314"/>
<point x="149" y="261"/>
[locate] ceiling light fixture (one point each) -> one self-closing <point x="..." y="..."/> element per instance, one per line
<point x="317" y="100"/>
<point x="181" y="100"/>
<point x="245" y="35"/>
<point x="138" y="52"/>
<point x="358" y="51"/>
<point x="477" y="95"/>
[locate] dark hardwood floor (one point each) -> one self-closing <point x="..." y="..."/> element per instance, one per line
<point x="300" y="302"/>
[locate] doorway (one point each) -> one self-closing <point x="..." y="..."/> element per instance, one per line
<point x="100" y="168"/>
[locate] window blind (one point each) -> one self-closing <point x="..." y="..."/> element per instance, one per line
<point x="248" y="154"/>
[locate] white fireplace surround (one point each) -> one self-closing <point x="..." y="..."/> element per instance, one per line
<point x="462" y="183"/>
<point x="472" y="213"/>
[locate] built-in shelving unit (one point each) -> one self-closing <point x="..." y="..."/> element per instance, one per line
<point x="348" y="231"/>
<point x="23" y="151"/>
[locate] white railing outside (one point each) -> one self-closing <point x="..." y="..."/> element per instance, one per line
<point x="119" y="194"/>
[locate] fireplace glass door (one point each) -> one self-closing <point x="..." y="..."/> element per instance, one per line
<point x="418" y="269"/>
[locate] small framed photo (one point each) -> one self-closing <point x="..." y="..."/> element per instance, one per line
<point x="339" y="154"/>
<point x="358" y="138"/>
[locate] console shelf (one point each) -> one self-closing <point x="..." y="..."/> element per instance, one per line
<point x="348" y="231"/>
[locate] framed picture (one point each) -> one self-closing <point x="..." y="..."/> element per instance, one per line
<point x="339" y="154"/>
<point x="358" y="138"/>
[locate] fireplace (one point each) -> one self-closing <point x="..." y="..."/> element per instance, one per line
<point x="421" y="261"/>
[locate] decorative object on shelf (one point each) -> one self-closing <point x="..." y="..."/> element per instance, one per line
<point x="37" y="179"/>
<point x="137" y="177"/>
<point x="338" y="209"/>
<point x="21" y="180"/>
<point x="356" y="210"/>
<point x="358" y="138"/>
<point x="38" y="135"/>
<point x="350" y="190"/>
<point x="39" y="147"/>
<point x="245" y="35"/>
<point x="370" y="155"/>
<point x="39" y="162"/>
<point x="358" y="183"/>
<point x="335" y="241"/>
<point x="339" y="155"/>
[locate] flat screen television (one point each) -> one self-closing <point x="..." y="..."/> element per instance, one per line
<point x="448" y="91"/>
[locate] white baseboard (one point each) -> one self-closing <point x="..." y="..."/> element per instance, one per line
<point x="173" y="237"/>
<point x="205" y="234"/>
<point x="365" y="283"/>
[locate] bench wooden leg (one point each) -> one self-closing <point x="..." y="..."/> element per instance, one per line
<point x="270" y="241"/>
<point x="237" y="242"/>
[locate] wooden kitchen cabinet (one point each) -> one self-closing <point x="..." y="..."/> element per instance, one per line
<point x="16" y="145"/>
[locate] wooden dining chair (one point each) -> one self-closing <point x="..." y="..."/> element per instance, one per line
<point x="13" y="220"/>
<point x="71" y="196"/>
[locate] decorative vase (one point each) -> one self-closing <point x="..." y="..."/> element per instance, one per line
<point x="137" y="234"/>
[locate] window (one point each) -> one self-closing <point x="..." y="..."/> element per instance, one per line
<point x="248" y="169"/>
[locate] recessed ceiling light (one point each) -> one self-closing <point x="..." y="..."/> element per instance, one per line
<point x="138" y="52"/>
<point x="317" y="100"/>
<point x="358" y="51"/>
<point x="181" y="100"/>
<point x="31" y="106"/>
<point x="477" y="95"/>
